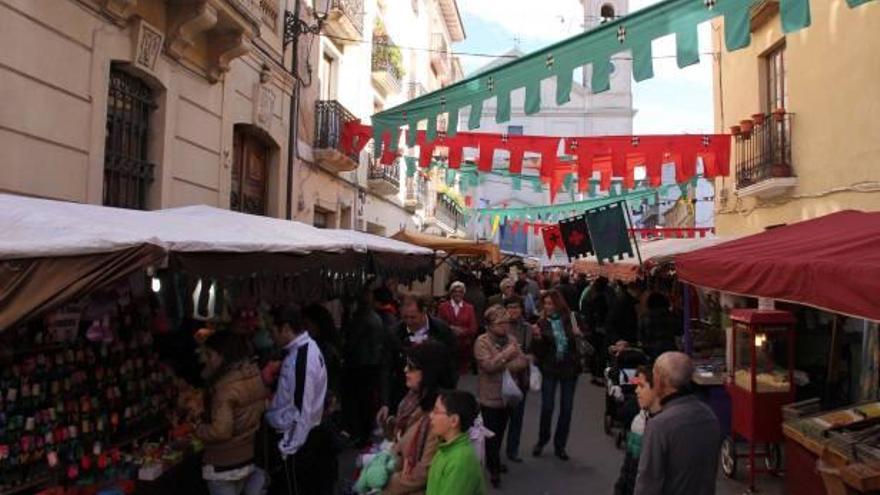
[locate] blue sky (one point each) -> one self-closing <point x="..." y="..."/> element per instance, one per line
<point x="674" y="101"/>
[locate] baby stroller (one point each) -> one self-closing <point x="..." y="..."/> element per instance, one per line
<point x="621" y="404"/>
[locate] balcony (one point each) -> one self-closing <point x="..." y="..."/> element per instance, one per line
<point x="416" y="192"/>
<point x="448" y="213"/>
<point x="226" y="26"/>
<point x="269" y="13"/>
<point x="384" y="179"/>
<point x="330" y="117"/>
<point x="440" y="59"/>
<point x="387" y="66"/>
<point x="345" y="20"/>
<point x="763" y="156"/>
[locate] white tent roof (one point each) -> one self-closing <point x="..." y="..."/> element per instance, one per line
<point x="38" y="227"/>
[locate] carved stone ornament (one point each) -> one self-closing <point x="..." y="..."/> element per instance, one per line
<point x="147" y="45"/>
<point x="188" y="21"/>
<point x="121" y="9"/>
<point x="223" y="50"/>
<point x="264" y="103"/>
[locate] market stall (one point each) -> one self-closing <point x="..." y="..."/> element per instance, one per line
<point x="55" y="251"/>
<point x="98" y="308"/>
<point x="830" y="263"/>
<point x="451" y="246"/>
<point x="654" y="253"/>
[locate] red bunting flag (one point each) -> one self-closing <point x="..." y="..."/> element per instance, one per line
<point x="552" y="239"/>
<point x="611" y="156"/>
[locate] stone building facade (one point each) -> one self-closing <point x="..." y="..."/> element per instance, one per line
<point x="145" y="103"/>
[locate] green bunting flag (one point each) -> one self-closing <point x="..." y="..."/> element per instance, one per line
<point x="633" y="33"/>
<point x="411" y="163"/>
<point x="516" y="183"/>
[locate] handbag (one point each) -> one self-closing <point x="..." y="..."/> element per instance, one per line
<point x="535" y="378"/>
<point x="511" y="394"/>
<point x="584" y="348"/>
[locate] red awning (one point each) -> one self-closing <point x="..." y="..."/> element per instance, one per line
<point x="831" y="262"/>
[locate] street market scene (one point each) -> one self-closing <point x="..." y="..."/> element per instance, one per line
<point x="439" y="247"/>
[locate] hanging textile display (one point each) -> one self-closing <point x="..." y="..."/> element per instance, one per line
<point x="608" y="156"/>
<point x="609" y="232"/>
<point x="576" y="236"/>
<point x="552" y="239"/>
<point x="632" y="33"/>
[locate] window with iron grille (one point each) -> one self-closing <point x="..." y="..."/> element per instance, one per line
<point x="127" y="173"/>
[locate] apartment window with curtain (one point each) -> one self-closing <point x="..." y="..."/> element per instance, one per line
<point x="127" y="171"/>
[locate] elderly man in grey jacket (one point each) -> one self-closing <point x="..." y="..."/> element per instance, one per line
<point x="681" y="443"/>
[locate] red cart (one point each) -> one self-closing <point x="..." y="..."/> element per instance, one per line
<point x="759" y="384"/>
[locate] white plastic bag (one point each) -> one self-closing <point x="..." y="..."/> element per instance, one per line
<point x="535" y="378"/>
<point x="510" y="391"/>
<point x="478" y="435"/>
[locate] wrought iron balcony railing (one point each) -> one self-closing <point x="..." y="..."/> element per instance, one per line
<point x="330" y="119"/>
<point x="416" y="190"/>
<point x="763" y="148"/>
<point x="353" y="10"/>
<point x="387" y="174"/>
<point x="448" y="212"/>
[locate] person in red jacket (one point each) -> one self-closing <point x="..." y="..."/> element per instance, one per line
<point x="461" y="318"/>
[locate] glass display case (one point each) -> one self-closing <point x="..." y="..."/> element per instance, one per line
<point x="761" y="357"/>
<point x="759" y="383"/>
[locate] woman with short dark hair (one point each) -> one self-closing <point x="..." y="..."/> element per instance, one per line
<point x="427" y="372"/>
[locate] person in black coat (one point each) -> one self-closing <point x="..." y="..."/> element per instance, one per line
<point x="555" y="345"/>
<point x="623" y="319"/>
<point x="568" y="291"/>
<point x="417" y="326"/>
<point x="657" y="326"/>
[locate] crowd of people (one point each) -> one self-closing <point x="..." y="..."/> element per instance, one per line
<point x="390" y="371"/>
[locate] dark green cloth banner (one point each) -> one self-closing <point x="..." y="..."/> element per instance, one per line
<point x="609" y="232"/>
<point x="631" y="33"/>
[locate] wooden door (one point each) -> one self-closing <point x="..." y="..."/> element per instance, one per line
<point x="249" y="174"/>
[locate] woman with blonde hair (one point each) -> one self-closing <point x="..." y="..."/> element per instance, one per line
<point x="496" y="352"/>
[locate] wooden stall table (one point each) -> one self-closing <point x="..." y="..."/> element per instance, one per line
<point x="801" y="455"/>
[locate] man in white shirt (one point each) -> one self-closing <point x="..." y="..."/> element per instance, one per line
<point x="298" y="408"/>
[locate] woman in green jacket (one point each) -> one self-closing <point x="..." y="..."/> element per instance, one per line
<point x="455" y="470"/>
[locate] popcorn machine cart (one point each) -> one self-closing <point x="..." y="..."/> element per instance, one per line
<point x="759" y="384"/>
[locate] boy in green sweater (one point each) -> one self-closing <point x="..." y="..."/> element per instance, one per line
<point x="455" y="469"/>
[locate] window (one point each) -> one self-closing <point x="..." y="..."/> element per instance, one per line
<point x="514" y="130"/>
<point x="323" y="219"/>
<point x="127" y="173"/>
<point x="327" y="77"/>
<point x="777" y="80"/>
<point x="606" y="13"/>
<point x="250" y="167"/>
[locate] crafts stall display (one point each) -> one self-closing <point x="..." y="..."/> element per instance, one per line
<point x="86" y="401"/>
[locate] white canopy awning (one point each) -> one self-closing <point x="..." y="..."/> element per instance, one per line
<point x="39" y="228"/>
